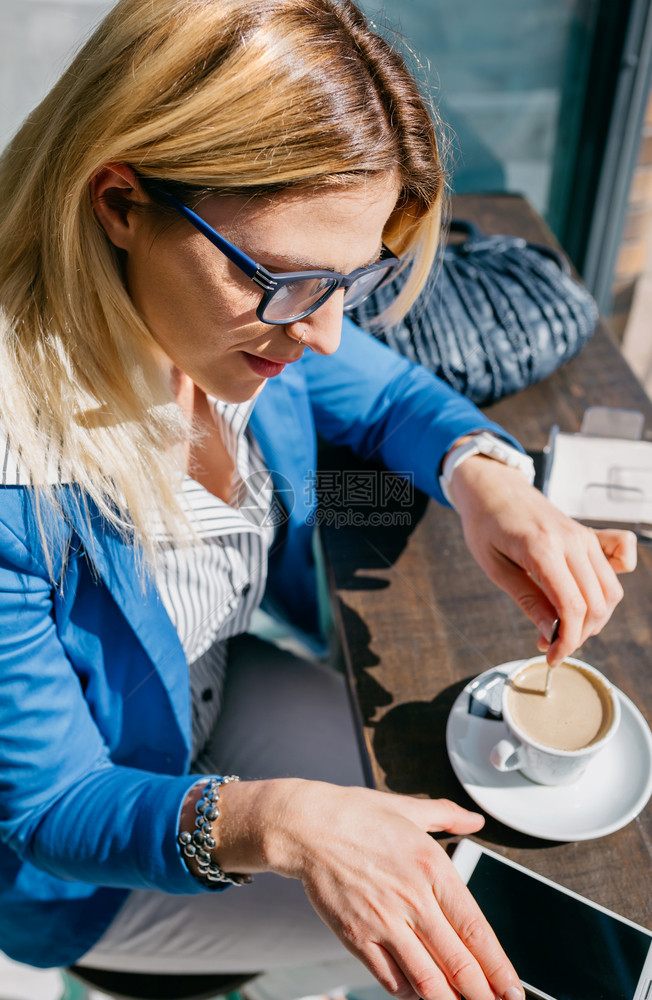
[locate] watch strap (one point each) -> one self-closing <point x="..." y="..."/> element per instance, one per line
<point x="490" y="446"/>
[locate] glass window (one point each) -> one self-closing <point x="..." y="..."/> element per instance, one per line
<point x="509" y="77"/>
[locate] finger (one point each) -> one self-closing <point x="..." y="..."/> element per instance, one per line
<point x="598" y="585"/>
<point x="469" y="924"/>
<point x="424" y="974"/>
<point x="544" y="642"/>
<point x="454" y="819"/>
<point x="387" y="971"/>
<point x="528" y="593"/>
<point x="402" y="966"/>
<point x="569" y="582"/>
<point x="600" y="592"/>
<point x="611" y="586"/>
<point x="568" y="585"/>
<point x="568" y="642"/>
<point x="555" y="654"/>
<point x="546" y="645"/>
<point x="620" y="548"/>
<point x="433" y="815"/>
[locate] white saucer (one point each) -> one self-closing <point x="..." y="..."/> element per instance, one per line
<point x="609" y="794"/>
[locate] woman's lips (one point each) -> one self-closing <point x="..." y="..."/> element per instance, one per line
<point x="262" y="367"/>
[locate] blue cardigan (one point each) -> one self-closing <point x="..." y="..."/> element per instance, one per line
<point x="94" y="694"/>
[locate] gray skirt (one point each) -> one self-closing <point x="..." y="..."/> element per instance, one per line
<point x="282" y="716"/>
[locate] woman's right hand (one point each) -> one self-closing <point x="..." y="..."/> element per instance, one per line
<point x="385" y="888"/>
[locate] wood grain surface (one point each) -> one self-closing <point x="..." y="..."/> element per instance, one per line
<point x="417" y="619"/>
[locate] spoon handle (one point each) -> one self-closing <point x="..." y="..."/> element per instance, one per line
<point x="553" y="636"/>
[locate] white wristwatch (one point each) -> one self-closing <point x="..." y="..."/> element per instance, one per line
<point x="491" y="446"/>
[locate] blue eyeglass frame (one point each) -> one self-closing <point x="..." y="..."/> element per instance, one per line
<point x="268" y="282"/>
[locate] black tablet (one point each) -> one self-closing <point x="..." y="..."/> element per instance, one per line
<point x="563" y="946"/>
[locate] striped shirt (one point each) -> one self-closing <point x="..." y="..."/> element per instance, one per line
<point x="209" y="589"/>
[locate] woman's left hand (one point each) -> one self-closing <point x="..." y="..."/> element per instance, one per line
<point x="552" y="566"/>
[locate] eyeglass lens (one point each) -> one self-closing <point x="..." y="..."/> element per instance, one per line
<point x="297" y="297"/>
<point x="365" y="285"/>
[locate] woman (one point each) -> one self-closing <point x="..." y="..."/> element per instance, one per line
<point x="195" y="154"/>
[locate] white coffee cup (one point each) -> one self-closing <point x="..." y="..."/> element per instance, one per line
<point x="533" y="757"/>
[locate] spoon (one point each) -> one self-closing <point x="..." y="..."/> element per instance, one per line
<point x="553" y="636"/>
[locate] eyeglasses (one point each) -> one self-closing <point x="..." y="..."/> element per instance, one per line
<point x="294" y="295"/>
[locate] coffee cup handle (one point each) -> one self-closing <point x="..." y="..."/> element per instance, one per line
<point x="506" y="756"/>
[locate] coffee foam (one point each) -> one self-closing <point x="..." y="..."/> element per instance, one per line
<point x="575" y="714"/>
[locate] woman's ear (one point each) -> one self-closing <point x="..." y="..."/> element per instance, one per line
<point x="115" y="190"/>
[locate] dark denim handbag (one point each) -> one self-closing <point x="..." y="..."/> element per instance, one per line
<point x="500" y="314"/>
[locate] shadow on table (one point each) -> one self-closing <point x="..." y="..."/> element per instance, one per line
<point x="420" y="765"/>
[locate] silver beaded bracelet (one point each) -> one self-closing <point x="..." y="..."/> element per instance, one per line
<point x="199" y="844"/>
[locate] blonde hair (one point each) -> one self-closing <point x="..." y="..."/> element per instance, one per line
<point x="228" y="95"/>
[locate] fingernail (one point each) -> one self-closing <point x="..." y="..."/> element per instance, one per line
<point x="514" y="993"/>
<point x="549" y="629"/>
<point x="546" y="628"/>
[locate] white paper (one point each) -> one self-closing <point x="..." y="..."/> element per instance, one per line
<point x="602" y="479"/>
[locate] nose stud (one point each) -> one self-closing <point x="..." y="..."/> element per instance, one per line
<point x="302" y="338"/>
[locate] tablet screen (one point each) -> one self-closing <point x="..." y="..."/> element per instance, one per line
<point x="556" y="942"/>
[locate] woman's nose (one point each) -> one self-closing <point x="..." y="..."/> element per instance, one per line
<point x="322" y="330"/>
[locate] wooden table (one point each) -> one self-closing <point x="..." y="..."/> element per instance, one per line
<point x="417" y="619"/>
